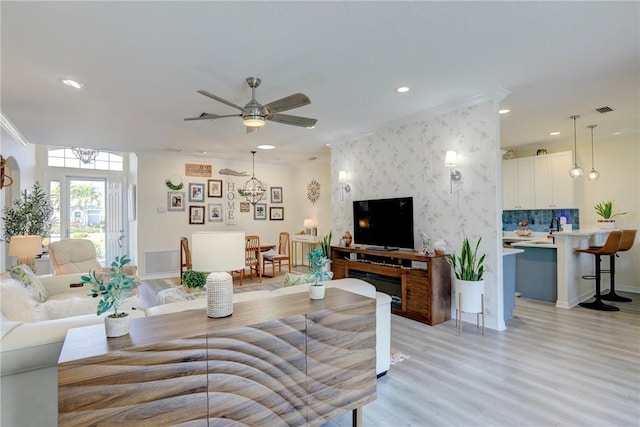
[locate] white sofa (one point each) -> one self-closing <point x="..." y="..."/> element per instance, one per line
<point x="29" y="351"/>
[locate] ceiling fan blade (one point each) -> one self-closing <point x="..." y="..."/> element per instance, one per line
<point x="288" y="103"/>
<point x="287" y="119"/>
<point x="217" y="98"/>
<point x="209" y="116"/>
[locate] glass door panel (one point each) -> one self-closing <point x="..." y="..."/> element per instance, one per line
<point x="86" y="215"/>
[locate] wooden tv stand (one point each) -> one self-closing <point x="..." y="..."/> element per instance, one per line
<point x="422" y="282"/>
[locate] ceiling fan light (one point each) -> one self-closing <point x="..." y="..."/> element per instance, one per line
<point x="253" y="121"/>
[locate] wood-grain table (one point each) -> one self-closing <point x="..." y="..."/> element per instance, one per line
<point x="279" y="361"/>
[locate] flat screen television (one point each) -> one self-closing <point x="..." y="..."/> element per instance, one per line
<point x="386" y="223"/>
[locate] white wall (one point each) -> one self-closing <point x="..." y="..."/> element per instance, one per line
<point x="617" y="158"/>
<point x="161" y="231"/>
<point x="407" y="159"/>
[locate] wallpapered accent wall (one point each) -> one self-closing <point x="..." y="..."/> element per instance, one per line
<point x="408" y="160"/>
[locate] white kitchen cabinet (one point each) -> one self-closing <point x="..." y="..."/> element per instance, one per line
<point x="517" y="183"/>
<point x="553" y="187"/>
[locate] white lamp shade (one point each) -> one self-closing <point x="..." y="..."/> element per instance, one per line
<point x="27" y="245"/>
<point x="342" y="176"/>
<point x="218" y="250"/>
<point x="308" y="223"/>
<point x="451" y="158"/>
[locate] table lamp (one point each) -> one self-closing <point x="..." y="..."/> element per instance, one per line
<point x="25" y="247"/>
<point x="308" y="223"/>
<point x="218" y="252"/>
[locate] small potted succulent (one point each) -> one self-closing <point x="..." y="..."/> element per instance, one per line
<point x="317" y="262"/>
<point x="113" y="288"/>
<point x="605" y="212"/>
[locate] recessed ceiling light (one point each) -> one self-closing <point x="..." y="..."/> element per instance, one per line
<point x="402" y="89"/>
<point x="554" y="133"/>
<point x="72" y="83"/>
<point x="505" y="111"/>
<point x="266" y="147"/>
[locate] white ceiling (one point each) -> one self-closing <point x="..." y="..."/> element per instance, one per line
<point x="142" y="62"/>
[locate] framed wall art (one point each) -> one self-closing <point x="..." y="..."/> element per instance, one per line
<point x="260" y="211"/>
<point x="214" y="212"/>
<point x="196" y="192"/>
<point x="214" y="188"/>
<point x="276" y="213"/>
<point x="175" y="200"/>
<point x="276" y="194"/>
<point x="196" y="214"/>
<point x="245" y="207"/>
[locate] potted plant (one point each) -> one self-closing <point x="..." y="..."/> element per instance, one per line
<point x="31" y="214"/>
<point x="468" y="268"/>
<point x="317" y="262"/>
<point x="194" y="280"/>
<point x="605" y="211"/>
<point x="325" y="246"/>
<point x="113" y="288"/>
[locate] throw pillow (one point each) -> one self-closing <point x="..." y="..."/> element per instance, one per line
<point x="30" y="281"/>
<point x="291" y="279"/>
<point x="17" y="305"/>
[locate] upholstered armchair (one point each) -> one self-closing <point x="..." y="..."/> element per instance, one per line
<point x="78" y="256"/>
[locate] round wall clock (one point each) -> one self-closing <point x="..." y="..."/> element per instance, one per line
<point x="313" y="191"/>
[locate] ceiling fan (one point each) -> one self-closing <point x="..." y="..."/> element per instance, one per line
<point x="254" y="114"/>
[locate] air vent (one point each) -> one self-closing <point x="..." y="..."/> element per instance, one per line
<point x="603" y="110"/>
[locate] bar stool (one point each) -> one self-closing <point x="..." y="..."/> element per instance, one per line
<point x="610" y="248"/>
<point x="628" y="237"/>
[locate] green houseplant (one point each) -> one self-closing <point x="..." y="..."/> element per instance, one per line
<point x="468" y="268"/>
<point x="317" y="263"/>
<point x="325" y="245"/>
<point x="31" y="214"/>
<point x="605" y="212"/>
<point x="194" y="279"/>
<point x="113" y="288"/>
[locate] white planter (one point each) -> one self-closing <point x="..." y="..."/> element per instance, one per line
<point x="316" y="291"/>
<point x="326" y="267"/>
<point x="117" y="326"/>
<point x="607" y="224"/>
<point x="469" y="295"/>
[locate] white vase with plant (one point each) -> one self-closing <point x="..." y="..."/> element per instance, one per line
<point x="605" y="212"/>
<point x="113" y="288"/>
<point x="325" y="246"/>
<point x="469" y="269"/>
<point x="317" y="262"/>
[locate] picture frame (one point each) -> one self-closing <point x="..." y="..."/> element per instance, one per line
<point x="196" y="192"/>
<point x="214" y="212"/>
<point x="260" y="211"/>
<point x="196" y="214"/>
<point x="276" y="213"/>
<point x="214" y="188"/>
<point x="245" y="207"/>
<point x="276" y="194"/>
<point x="175" y="201"/>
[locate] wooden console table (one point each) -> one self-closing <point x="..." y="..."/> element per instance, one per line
<point x="281" y="361"/>
<point x="419" y="285"/>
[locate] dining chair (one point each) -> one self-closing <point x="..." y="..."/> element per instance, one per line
<point x="185" y="256"/>
<point x="251" y="258"/>
<point x="281" y="256"/>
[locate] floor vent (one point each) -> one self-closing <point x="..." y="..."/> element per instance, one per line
<point x="603" y="110"/>
<point x="161" y="262"/>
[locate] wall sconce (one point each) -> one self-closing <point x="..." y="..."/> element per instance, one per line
<point x="343" y="176"/>
<point x="450" y="161"/>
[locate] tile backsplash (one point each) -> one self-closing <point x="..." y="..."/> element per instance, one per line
<point x="538" y="219"/>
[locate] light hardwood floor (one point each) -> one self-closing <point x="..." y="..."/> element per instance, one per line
<point x="551" y="367"/>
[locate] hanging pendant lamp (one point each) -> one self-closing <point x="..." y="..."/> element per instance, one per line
<point x="594" y="174"/>
<point x="85" y="155"/>
<point x="576" y="171"/>
<point x="253" y="190"/>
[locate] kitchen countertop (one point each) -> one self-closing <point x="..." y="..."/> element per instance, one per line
<point x="511" y="251"/>
<point x="544" y="244"/>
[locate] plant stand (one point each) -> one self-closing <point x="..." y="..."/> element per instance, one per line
<point x="469" y="299"/>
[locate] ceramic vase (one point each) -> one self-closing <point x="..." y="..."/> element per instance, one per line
<point x="316" y="291"/>
<point x="607" y="224"/>
<point x="117" y="326"/>
<point x="469" y="294"/>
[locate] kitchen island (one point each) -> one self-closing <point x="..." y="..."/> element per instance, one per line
<point x="536" y="270"/>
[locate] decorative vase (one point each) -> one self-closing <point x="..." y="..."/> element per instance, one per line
<point x="316" y="291"/>
<point x="347" y="238"/>
<point x="607" y="224"/>
<point x="440" y="247"/>
<point x="469" y="294"/>
<point x="117" y="326"/>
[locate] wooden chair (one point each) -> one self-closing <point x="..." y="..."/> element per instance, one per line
<point x="280" y="257"/>
<point x="251" y="258"/>
<point x="185" y="256"/>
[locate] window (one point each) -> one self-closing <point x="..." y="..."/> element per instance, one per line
<point x="64" y="158"/>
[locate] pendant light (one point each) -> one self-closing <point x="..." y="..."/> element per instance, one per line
<point x="85" y="155"/>
<point x="253" y="190"/>
<point x="594" y="174"/>
<point x="576" y="171"/>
